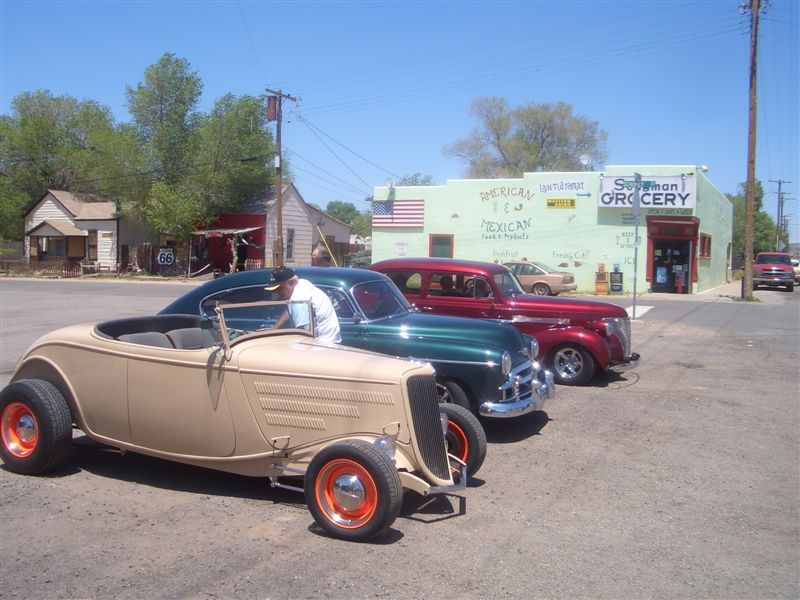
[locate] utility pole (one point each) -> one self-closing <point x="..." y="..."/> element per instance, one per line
<point x="274" y="112"/>
<point x="750" y="202"/>
<point x="779" y="219"/>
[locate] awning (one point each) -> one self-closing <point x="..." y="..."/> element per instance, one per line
<point x="223" y="231"/>
<point x="57" y="228"/>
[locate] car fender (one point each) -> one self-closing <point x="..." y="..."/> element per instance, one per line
<point x="34" y="366"/>
<point x="597" y="345"/>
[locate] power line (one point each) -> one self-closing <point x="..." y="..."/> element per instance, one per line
<point x="310" y="124"/>
<point x="337" y="156"/>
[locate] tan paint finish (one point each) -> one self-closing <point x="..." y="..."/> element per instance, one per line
<point x="277" y="401"/>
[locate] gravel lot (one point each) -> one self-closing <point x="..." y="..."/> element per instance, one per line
<point x="679" y="480"/>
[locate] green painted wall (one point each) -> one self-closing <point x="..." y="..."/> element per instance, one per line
<point x="554" y="218"/>
<point x="716" y="219"/>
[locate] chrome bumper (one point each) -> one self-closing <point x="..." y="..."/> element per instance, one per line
<point x="631" y="363"/>
<point x="773" y="280"/>
<point x="543" y="387"/>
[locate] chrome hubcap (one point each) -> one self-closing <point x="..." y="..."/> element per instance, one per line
<point x="568" y="362"/>
<point x="349" y="492"/>
<point x="26" y="428"/>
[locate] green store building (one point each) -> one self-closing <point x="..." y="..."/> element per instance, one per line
<point x="582" y="222"/>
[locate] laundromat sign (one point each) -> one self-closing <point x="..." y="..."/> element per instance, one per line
<point x="662" y="192"/>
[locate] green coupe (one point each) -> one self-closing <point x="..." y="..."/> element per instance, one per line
<point x="484" y="366"/>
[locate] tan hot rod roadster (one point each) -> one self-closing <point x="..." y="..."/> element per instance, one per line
<point x="239" y="395"/>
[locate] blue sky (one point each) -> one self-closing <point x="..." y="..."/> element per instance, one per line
<point x="384" y="86"/>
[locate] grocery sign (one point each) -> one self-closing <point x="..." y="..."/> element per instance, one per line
<point x="657" y="191"/>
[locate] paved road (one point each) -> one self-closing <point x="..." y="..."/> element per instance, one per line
<point x="679" y="480"/>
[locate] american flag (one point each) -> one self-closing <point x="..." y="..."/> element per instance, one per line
<point x="398" y="213"/>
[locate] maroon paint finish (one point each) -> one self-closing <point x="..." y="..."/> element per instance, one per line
<point x="556" y="320"/>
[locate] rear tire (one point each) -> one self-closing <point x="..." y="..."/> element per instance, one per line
<point x="353" y="490"/>
<point x="36" y="427"/>
<point x="465" y="438"/>
<point x="571" y="365"/>
<point x="540" y="289"/>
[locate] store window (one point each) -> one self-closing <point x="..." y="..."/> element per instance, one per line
<point x="441" y="246"/>
<point x="705" y="245"/>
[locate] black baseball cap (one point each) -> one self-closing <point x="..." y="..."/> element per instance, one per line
<point x="278" y="276"/>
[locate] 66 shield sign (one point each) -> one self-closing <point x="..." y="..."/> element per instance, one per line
<point x="166" y="256"/>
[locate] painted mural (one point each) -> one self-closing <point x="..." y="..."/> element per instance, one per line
<point x="582" y="222"/>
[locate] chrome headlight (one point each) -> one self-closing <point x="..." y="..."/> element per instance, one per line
<point x="505" y="365"/>
<point x="386" y="444"/>
<point x="534" y="349"/>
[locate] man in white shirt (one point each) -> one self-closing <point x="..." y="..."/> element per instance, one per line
<point x="288" y="286"/>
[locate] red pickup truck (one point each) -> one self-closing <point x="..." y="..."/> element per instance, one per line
<point x="773" y="269"/>
<point x="576" y="337"/>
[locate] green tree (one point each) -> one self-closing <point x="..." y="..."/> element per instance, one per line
<point x="346" y="212"/>
<point x="362" y="224"/>
<point x="763" y="226"/>
<point x="171" y="209"/>
<point x="13" y="203"/>
<point x="58" y="142"/>
<point x="415" y="179"/>
<point x="163" y="110"/>
<point x="231" y="164"/>
<point x="536" y="137"/>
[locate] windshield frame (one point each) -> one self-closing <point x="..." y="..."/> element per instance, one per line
<point x="240" y="335"/>
<point x="504" y="289"/>
<point x="394" y="292"/>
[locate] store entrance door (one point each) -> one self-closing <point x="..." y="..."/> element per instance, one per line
<point x="671" y="266"/>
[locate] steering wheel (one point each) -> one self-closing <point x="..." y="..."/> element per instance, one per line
<point x="469" y="288"/>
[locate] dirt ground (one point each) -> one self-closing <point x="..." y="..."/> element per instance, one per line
<point x="677" y="480"/>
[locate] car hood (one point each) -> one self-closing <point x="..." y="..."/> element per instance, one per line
<point x="568" y="308"/>
<point x="413" y="325"/>
<point x="308" y="358"/>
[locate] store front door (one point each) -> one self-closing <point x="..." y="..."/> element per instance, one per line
<point x="671" y="266"/>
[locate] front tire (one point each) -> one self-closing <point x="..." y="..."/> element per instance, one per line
<point x="450" y="392"/>
<point x="465" y="438"/>
<point x="353" y="490"/>
<point x="571" y="365"/>
<point x="790" y="287"/>
<point x="36" y="427"/>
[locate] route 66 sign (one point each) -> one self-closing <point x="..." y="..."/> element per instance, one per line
<point x="166" y="256"/>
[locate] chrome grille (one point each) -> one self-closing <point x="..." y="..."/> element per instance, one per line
<point x="621" y="329"/>
<point x="519" y="383"/>
<point x="427" y="425"/>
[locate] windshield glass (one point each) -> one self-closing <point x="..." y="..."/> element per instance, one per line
<point x="508" y="283"/>
<point x="251" y="318"/>
<point x="379" y="300"/>
<point x="772" y="259"/>
<point x="544" y="267"/>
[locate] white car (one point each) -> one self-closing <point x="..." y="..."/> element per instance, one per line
<point x="796" y="268"/>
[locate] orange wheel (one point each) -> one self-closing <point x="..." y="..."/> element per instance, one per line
<point x="20" y="430"/>
<point x="35" y="427"/>
<point x="465" y="437"/>
<point x="456" y="440"/>
<point x="346" y="493"/>
<point x="353" y="490"/>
